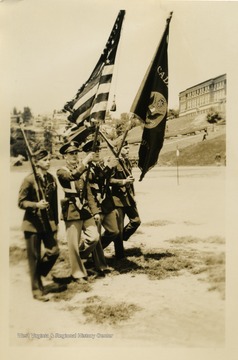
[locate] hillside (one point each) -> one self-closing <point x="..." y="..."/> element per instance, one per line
<point x="202" y="153"/>
<point x="193" y="151"/>
<point x="187" y="136"/>
<point x="175" y="127"/>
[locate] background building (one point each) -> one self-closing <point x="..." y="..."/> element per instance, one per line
<point x="202" y="98"/>
<point x="43" y="131"/>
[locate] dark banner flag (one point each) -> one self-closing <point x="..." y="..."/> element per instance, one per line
<point x="91" y="100"/>
<point x="151" y="105"/>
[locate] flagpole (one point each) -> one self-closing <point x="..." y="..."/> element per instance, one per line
<point x="177" y="162"/>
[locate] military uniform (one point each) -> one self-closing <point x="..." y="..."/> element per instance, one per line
<point x="78" y="208"/>
<point x="39" y="225"/>
<point x="123" y="196"/>
<point x="98" y="180"/>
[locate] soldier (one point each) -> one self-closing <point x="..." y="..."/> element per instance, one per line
<point x="40" y="224"/>
<point x="124" y="195"/>
<point x="78" y="211"/>
<point x="99" y="179"/>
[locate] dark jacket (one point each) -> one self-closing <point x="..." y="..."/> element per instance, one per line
<point x="36" y="220"/>
<point x="123" y="195"/>
<point x="99" y="180"/>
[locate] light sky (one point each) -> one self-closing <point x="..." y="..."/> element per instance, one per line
<point x="50" y="47"/>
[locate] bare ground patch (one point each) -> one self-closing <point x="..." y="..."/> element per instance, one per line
<point x="156" y="264"/>
<point x="101" y="311"/>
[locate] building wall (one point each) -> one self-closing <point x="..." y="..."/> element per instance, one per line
<point x="59" y="119"/>
<point x="203" y="97"/>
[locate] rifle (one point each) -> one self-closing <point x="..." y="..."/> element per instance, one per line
<point x="48" y="225"/>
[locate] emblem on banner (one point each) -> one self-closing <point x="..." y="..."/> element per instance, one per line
<point x="156" y="110"/>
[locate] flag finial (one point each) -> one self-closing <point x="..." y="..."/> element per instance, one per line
<point x="170" y="17"/>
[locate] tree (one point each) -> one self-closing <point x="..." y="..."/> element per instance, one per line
<point x="173" y="113"/>
<point x="120" y="127"/>
<point x="18" y="147"/>
<point x="213" y="117"/>
<point x="108" y="115"/>
<point x="15" y="111"/>
<point x="48" y="136"/>
<point x="27" y="115"/>
<point x="125" y="117"/>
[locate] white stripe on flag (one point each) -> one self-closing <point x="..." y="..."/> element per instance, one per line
<point x="87" y="96"/>
<point x="104" y="88"/>
<point x="107" y="70"/>
<point x="102" y="106"/>
<point x="83" y="115"/>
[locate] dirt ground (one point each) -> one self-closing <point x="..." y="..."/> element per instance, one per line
<point x="159" y="296"/>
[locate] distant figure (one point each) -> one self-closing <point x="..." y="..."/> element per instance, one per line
<point x="218" y="159"/>
<point x="205" y="135"/>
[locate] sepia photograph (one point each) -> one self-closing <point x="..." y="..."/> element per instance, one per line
<point x="119" y="165"/>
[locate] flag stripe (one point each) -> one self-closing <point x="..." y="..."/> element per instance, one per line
<point x="83" y="112"/>
<point x="100" y="106"/>
<point x="97" y="92"/>
<point x="86" y="102"/>
<point x="91" y="91"/>
<point x="105" y="79"/>
<point x="101" y="98"/>
<point x="107" y="70"/>
<point x="79" y="135"/>
<point x="99" y="115"/>
<point x="103" y="89"/>
<point x="88" y="93"/>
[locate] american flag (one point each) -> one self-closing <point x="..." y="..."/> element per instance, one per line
<point x="91" y="99"/>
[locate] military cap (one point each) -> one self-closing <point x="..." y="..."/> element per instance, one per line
<point x="88" y="146"/>
<point x="69" y="147"/>
<point x="40" y="154"/>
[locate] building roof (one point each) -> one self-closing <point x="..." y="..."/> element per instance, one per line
<point x="203" y="82"/>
